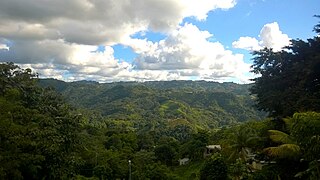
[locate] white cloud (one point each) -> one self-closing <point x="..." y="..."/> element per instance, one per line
<point x="4" y="47"/>
<point x="270" y="36"/>
<point x="60" y="39"/>
<point x="188" y="52"/>
<point x="248" y="43"/>
<point x="61" y="58"/>
<point x="97" y="21"/>
<point x="200" y="8"/>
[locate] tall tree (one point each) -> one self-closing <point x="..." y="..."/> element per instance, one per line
<point x="289" y="80"/>
<point x="38" y="131"/>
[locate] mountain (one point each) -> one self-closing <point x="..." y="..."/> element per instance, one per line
<point x="195" y="104"/>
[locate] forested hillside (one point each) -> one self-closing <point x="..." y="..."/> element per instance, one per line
<point x="200" y="104"/>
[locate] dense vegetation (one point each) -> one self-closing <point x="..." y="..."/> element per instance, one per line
<point x="199" y="104"/>
<point x="140" y="131"/>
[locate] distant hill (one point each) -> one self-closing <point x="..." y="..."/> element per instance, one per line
<point x="196" y="104"/>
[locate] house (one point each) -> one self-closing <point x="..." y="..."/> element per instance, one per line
<point x="211" y="149"/>
<point x="183" y="161"/>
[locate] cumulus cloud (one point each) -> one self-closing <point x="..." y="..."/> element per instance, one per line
<point x="248" y="43"/>
<point x="97" y="21"/>
<point x="188" y="52"/>
<point x="60" y="39"/>
<point x="270" y="36"/>
<point x="60" y="57"/>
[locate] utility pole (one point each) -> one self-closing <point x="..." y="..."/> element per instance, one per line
<point x="129" y="169"/>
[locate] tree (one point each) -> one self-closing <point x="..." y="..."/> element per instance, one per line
<point x="242" y="140"/>
<point x="317" y="27"/>
<point x="38" y="130"/>
<point x="238" y="169"/>
<point x="165" y="153"/>
<point x="214" y="168"/>
<point x="305" y="130"/>
<point x="288" y="147"/>
<point x="12" y="76"/>
<point x="195" y="147"/>
<point x="299" y="147"/>
<point x="289" y="80"/>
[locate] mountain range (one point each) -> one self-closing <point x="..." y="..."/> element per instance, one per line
<point x="194" y="104"/>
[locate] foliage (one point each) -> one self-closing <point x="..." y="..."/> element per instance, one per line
<point x="238" y="169"/>
<point x="288" y="148"/>
<point x="214" y="168"/>
<point x="165" y="154"/>
<point x="289" y="80"/>
<point x="300" y="145"/>
<point x="243" y="139"/>
<point x="153" y="124"/>
<point x="305" y="129"/>
<point x="191" y="171"/>
<point x="289" y="88"/>
<point x="202" y="104"/>
<point x="38" y="131"/>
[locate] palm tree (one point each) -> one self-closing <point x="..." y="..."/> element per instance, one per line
<point x="288" y="147"/>
<point x="244" y="138"/>
<point x="301" y="143"/>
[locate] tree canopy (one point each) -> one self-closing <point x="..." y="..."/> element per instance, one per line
<point x="38" y="131"/>
<point x="289" y="80"/>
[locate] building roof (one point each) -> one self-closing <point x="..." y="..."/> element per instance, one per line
<point x="213" y="147"/>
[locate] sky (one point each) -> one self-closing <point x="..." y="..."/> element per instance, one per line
<point x="149" y="40"/>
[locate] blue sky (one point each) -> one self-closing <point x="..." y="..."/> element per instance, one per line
<point x="142" y="40"/>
